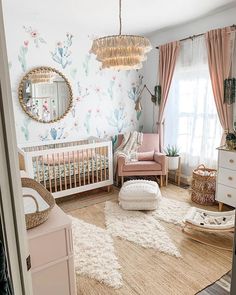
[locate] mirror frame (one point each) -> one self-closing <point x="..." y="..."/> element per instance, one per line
<point x="21" y="93"/>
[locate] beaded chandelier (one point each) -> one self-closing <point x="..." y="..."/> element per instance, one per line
<point x="121" y="52"/>
<point x="42" y="77"/>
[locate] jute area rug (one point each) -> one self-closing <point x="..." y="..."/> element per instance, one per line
<point x="147" y="271"/>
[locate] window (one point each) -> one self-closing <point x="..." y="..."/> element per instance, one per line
<point x="191" y="119"/>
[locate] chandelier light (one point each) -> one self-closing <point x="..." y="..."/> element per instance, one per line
<point x="121" y="52"/>
<point x="42" y="77"/>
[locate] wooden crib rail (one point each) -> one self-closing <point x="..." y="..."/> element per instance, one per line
<point x="68" y="149"/>
<point x="45" y="145"/>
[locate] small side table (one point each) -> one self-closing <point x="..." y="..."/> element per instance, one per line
<point x="177" y="173"/>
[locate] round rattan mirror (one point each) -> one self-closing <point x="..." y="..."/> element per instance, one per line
<point x="45" y="94"/>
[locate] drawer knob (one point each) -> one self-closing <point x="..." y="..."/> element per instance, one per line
<point x="229" y="195"/>
<point x="231" y="160"/>
<point x="230" y="178"/>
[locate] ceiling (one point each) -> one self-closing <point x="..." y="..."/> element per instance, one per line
<point x="100" y="17"/>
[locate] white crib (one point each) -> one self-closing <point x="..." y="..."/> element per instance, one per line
<point x="66" y="168"/>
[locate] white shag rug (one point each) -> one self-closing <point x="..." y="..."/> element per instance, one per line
<point x="94" y="254"/>
<point x="171" y="211"/>
<point x="139" y="228"/>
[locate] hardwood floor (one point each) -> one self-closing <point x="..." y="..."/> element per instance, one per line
<point x="146" y="271"/>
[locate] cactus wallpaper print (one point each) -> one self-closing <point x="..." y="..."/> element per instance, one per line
<point x="103" y="100"/>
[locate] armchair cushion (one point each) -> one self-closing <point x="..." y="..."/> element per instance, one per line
<point x="142" y="166"/>
<point x="150" y="142"/>
<point x="146" y="156"/>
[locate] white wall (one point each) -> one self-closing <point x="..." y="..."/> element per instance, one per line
<point x="103" y="100"/>
<point x="225" y="18"/>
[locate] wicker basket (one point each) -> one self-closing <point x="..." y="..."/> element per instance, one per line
<point x="38" y="217"/>
<point x="203" y="187"/>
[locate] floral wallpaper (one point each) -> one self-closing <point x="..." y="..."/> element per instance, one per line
<point x="103" y="100"/>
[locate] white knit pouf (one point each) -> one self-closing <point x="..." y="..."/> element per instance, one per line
<point x="139" y="195"/>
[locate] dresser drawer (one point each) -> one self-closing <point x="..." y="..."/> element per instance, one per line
<point x="227" y="160"/>
<point x="226" y="195"/>
<point x="53" y="280"/>
<point x="227" y="177"/>
<point x="48" y="248"/>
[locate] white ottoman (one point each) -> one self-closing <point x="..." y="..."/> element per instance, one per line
<point x="139" y="195"/>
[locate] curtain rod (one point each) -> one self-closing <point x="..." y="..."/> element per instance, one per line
<point x="195" y="36"/>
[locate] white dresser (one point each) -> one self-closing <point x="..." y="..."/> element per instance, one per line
<point x="226" y="178"/>
<point x="51" y="253"/>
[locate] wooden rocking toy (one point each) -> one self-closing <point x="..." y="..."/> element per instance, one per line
<point x="199" y="222"/>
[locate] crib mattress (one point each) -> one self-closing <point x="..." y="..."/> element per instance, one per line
<point x="42" y="171"/>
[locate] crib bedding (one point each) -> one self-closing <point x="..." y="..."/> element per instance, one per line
<point x="42" y="171"/>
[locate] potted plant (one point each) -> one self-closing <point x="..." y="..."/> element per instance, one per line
<point x="172" y="152"/>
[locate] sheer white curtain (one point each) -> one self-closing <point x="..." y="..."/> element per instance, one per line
<point x="191" y="120"/>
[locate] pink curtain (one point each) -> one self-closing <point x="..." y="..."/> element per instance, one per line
<point x="168" y="54"/>
<point x="220" y="45"/>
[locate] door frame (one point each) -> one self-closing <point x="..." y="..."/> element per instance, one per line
<point x="11" y="205"/>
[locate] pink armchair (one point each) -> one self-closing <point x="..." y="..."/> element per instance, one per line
<point x="150" y="160"/>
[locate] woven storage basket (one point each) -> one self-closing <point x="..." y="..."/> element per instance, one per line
<point x="38" y="217"/>
<point x="203" y="186"/>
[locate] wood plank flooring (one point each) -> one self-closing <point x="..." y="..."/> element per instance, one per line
<point x="146" y="271"/>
